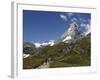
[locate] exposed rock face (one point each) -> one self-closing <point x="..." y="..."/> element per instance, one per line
<point x="29" y="48"/>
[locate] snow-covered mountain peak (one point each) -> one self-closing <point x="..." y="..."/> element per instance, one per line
<point x="71" y="33"/>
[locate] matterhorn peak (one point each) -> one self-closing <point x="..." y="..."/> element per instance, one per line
<point x="71" y="33"/>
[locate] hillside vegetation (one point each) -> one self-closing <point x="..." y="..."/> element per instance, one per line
<point x="75" y="54"/>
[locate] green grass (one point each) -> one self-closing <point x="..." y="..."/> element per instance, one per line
<point x="32" y="62"/>
<point x="61" y="55"/>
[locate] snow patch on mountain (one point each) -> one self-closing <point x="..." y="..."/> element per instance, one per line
<point x="51" y="43"/>
<point x="67" y="38"/>
<point x="37" y="45"/>
<point x="26" y="55"/>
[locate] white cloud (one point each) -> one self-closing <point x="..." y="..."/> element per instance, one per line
<point x="83" y="25"/>
<point x="82" y="20"/>
<point x="63" y="17"/>
<point x="87" y="28"/>
<point x="68" y="15"/>
<point x="74" y="19"/>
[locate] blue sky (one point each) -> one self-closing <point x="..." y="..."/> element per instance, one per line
<point x="39" y="26"/>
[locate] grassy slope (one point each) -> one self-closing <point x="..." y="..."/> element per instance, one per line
<point x="62" y="55"/>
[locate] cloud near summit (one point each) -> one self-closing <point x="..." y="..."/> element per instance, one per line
<point x="63" y="17"/>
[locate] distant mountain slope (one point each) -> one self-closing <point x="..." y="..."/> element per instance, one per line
<point x="29" y="48"/>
